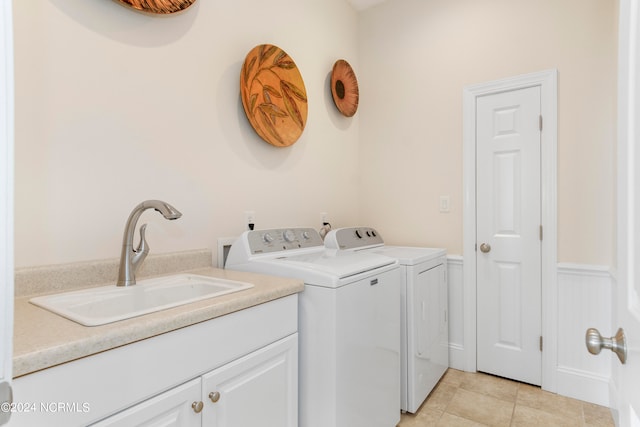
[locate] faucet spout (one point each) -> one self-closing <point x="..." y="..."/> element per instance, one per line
<point x="131" y="259"/>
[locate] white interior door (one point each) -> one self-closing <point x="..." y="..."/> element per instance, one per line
<point x="508" y="216"/>
<point x="6" y="207"/>
<point x="627" y="304"/>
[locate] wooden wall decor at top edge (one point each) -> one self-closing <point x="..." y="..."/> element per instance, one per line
<point x="344" y="88"/>
<point x="161" y="7"/>
<point x="273" y="95"/>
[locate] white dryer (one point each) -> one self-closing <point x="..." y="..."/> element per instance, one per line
<point x="424" y="308"/>
<point x="349" y="323"/>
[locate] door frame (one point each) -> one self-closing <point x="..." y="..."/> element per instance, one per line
<point x="548" y="82"/>
<point x="6" y="199"/>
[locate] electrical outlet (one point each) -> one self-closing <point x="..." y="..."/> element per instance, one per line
<point x="249" y="218"/>
<point x="324" y="218"/>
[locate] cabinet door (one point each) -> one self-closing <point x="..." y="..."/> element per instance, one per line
<point x="260" y="389"/>
<point x="171" y="408"/>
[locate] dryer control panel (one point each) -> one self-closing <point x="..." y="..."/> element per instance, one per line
<point x="282" y="239"/>
<point x="353" y="238"/>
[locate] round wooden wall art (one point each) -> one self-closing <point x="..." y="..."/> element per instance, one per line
<point x="162" y="7"/>
<point x="344" y="88"/>
<point x="273" y="95"/>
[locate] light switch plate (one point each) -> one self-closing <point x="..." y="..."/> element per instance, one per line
<point x="445" y="204"/>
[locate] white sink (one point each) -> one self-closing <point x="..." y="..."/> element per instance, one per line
<point x="106" y="304"/>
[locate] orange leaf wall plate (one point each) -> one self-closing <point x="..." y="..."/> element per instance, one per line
<point x="344" y="88"/>
<point x="161" y="7"/>
<point x="273" y="95"/>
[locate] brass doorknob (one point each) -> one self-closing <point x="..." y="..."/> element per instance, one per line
<point x="485" y="247"/>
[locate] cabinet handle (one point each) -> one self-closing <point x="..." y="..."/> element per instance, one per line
<point x="214" y="396"/>
<point x="197" y="406"/>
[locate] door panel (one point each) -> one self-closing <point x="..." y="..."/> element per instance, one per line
<point x="508" y="228"/>
<point x="626" y="306"/>
<point x="6" y="207"/>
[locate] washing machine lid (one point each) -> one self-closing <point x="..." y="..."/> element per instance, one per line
<point x="327" y="268"/>
<point x="337" y="263"/>
<point x="409" y="255"/>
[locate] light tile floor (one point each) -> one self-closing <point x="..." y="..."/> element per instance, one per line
<point x="476" y="399"/>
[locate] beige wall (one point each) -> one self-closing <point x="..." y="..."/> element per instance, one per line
<point x="114" y="107"/>
<point x="416" y="57"/>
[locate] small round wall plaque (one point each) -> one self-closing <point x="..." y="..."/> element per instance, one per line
<point x="344" y="88"/>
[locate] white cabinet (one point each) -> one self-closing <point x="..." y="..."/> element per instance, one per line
<point x="169" y="409"/>
<point x="249" y="357"/>
<point x="258" y="389"/>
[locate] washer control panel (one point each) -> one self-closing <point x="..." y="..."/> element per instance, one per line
<point x="353" y="238"/>
<point x="282" y="239"/>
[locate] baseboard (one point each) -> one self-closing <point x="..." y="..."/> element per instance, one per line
<point x="583" y="385"/>
<point x="456" y="357"/>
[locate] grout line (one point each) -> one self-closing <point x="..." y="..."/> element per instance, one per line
<point x="515" y="403"/>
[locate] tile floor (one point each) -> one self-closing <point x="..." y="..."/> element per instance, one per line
<point x="475" y="399"/>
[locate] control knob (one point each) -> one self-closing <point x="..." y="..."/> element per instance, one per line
<point x="267" y="238"/>
<point x="289" y="236"/>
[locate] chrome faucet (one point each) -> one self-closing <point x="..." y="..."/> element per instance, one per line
<point x="130" y="259"/>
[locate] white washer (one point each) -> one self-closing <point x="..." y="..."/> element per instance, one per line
<point x="349" y="324"/>
<point x="424" y="301"/>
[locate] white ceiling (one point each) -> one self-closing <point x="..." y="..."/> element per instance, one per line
<point x="364" y="4"/>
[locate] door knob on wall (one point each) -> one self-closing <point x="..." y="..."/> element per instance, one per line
<point x="617" y="344"/>
<point x="485" y="247"/>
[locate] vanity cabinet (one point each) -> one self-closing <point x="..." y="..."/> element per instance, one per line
<point x="249" y="357"/>
<point x="259" y="389"/>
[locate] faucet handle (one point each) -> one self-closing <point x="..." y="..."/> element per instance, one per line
<point x="142" y="246"/>
<point x="142" y="250"/>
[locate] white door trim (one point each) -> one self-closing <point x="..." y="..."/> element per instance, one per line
<point x="6" y="199"/>
<point x="547" y="80"/>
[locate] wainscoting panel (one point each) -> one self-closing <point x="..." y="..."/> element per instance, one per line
<point x="584" y="298"/>
<point x="584" y="301"/>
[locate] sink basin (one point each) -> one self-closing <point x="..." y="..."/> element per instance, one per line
<point x="106" y="304"/>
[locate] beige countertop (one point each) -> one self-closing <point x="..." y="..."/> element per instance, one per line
<point x="43" y="339"/>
